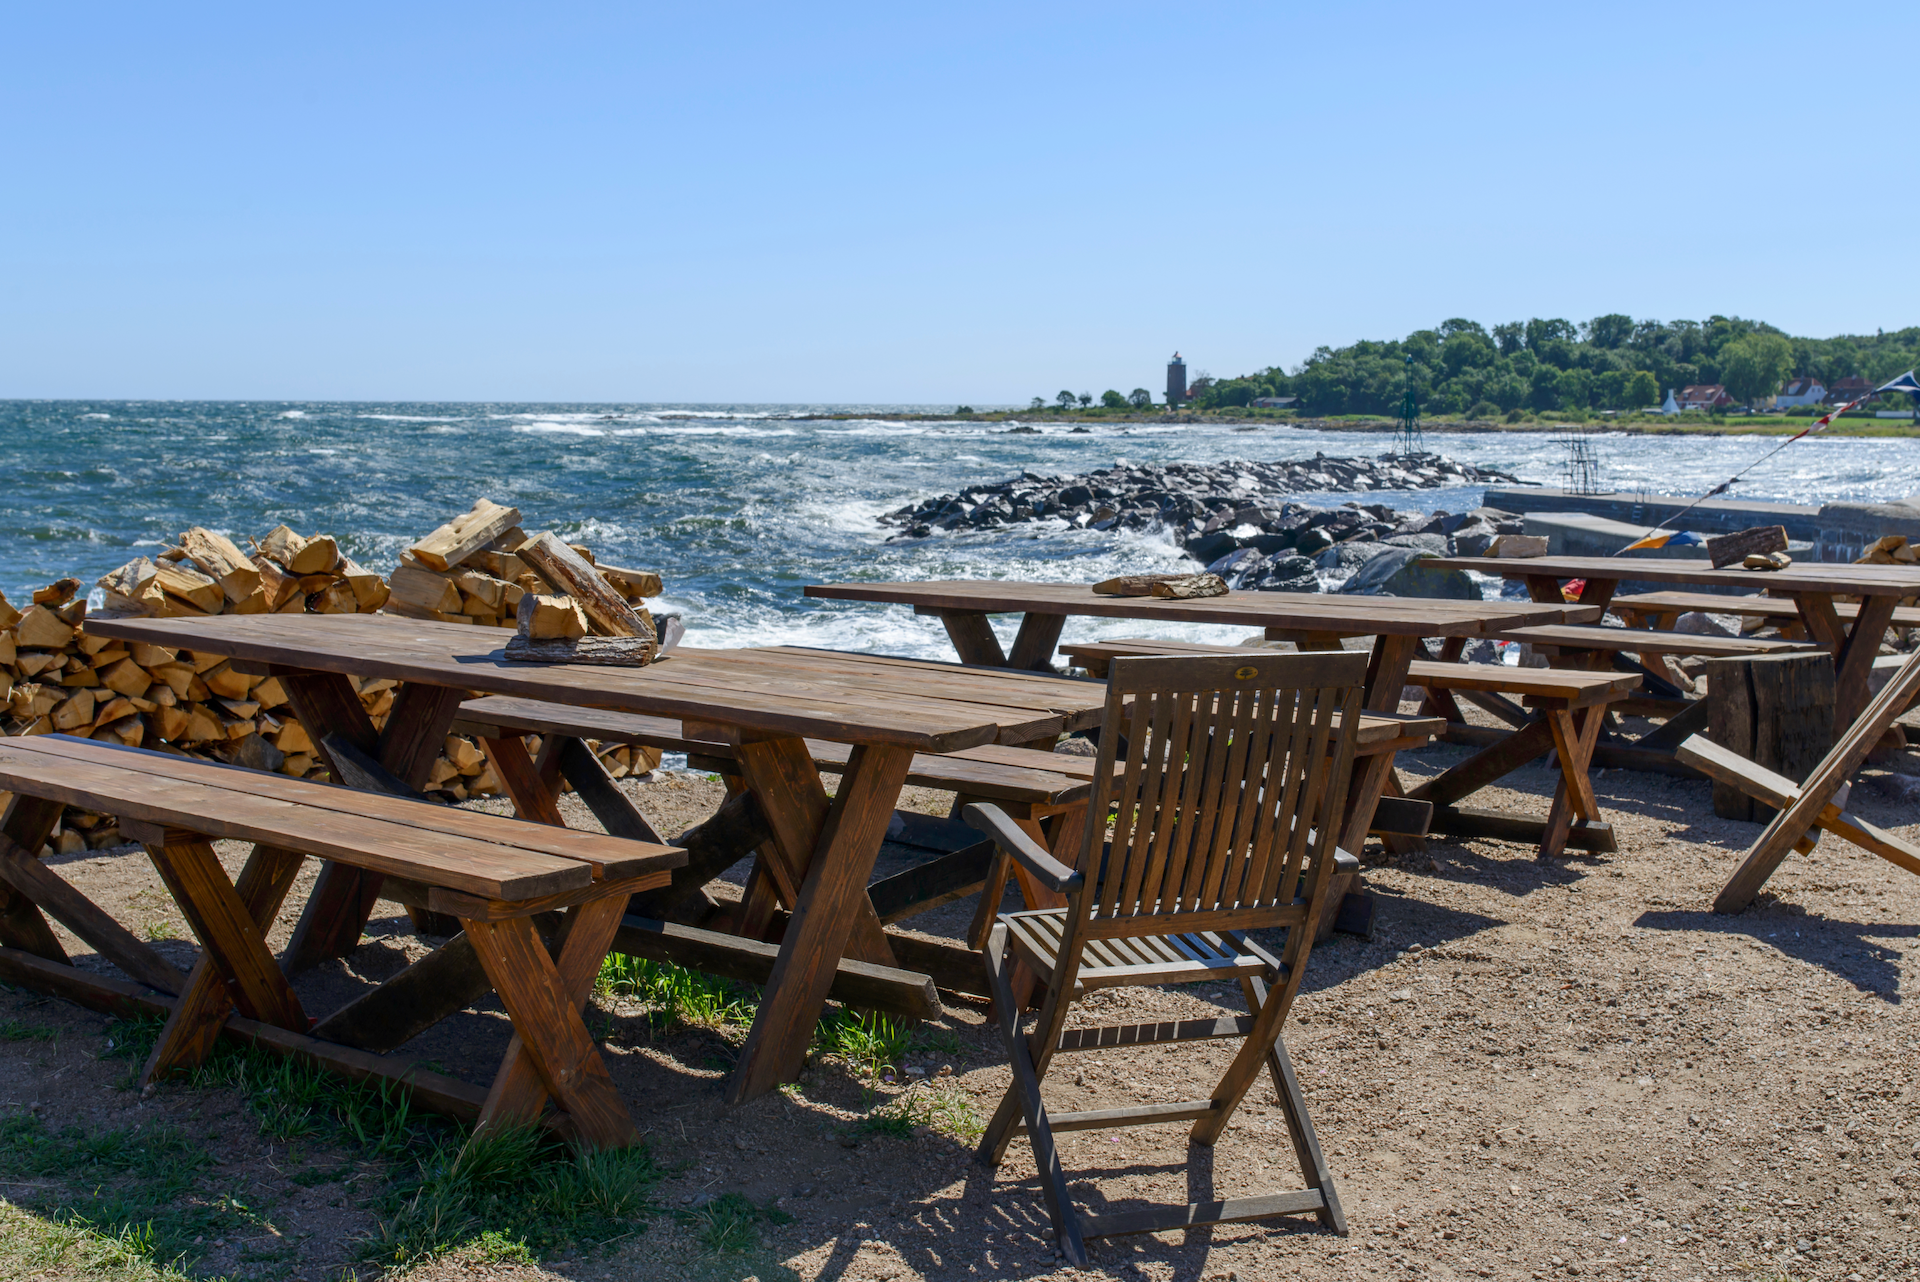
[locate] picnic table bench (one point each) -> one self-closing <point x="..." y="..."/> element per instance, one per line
<point x="818" y="851"/>
<point x="1813" y="588"/>
<point x="1663" y="609"/>
<point x="506" y="881"/>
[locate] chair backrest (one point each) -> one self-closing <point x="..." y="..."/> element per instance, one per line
<point x="1228" y="807"/>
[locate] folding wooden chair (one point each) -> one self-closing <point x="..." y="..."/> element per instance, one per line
<point x="1225" y="819"/>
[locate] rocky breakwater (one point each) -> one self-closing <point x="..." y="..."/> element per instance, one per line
<point x="1234" y="518"/>
<point x="1181" y="497"/>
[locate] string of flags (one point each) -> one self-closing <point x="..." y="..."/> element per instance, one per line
<point x="1661" y="537"/>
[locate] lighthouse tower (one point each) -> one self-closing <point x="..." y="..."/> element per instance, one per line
<point x="1176" y="380"/>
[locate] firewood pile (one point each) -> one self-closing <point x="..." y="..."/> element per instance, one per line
<point x="470" y="571"/>
<point x="55" y="678"/>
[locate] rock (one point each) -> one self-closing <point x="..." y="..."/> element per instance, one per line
<point x="1426" y="542"/>
<point x="1288" y="574"/>
<point x="1312" y="541"/>
<point x="1235" y="563"/>
<point x="1350" y="555"/>
<point x="1208" y="548"/>
<point x="1398" y="572"/>
<point x="1698" y="623"/>
<point x="1481" y="650"/>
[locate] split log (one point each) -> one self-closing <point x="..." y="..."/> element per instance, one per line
<point x="185" y="583"/>
<point x="419" y="586"/>
<point x="632" y="584"/>
<point x="1177" y="586"/>
<point x="466" y="534"/>
<point x="1733" y="549"/>
<point x="612" y="652"/>
<point x="222" y="562"/>
<point x="568" y="571"/>
<point x="542" y="618"/>
<point x="134" y="588"/>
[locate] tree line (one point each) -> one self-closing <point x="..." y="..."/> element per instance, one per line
<point x="1610" y="362"/>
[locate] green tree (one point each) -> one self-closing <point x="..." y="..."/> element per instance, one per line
<point x="1465" y="350"/>
<point x="1611" y="330"/>
<point x="1065" y="400"/>
<point x="1113" y="400"/>
<point x="1642" y="391"/>
<point x="1086" y="399"/>
<point x="1038" y="404"/>
<point x="1140" y="398"/>
<point x="1755" y="365"/>
<point x="1510" y="337"/>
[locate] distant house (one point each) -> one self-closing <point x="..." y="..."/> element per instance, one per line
<point x="1274" y="402"/>
<point x="1847" y="389"/>
<point x="1800" y="391"/>
<point x="1703" y="396"/>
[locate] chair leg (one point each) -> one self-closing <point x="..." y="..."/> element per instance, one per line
<point x="1306" y="1144"/>
<point x="1026" y="1082"/>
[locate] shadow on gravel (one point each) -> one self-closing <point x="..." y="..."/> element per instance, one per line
<point x="1849" y="950"/>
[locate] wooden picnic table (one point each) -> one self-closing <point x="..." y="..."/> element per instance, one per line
<point x="1812" y="588"/>
<point x="765" y="705"/>
<point x="1399" y="626"/>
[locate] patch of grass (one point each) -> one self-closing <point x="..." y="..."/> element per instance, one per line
<point x="158" y="929"/>
<point x="683" y="996"/>
<point x="74" y="1246"/>
<point x="870" y="1044"/>
<point x="18" y="1030"/>
<point x="513" y="1192"/>
<point x="731" y="1223"/>
<point x="941" y="1109"/>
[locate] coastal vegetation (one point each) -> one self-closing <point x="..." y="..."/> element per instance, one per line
<point x="1611" y="362"/>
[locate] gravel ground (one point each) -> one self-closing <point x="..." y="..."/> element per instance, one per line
<point x="1535" y="1069"/>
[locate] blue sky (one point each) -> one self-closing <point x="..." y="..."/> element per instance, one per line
<point x="901" y="203"/>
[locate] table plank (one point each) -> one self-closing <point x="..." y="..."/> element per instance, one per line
<point x="481" y="868"/>
<point x="450" y="655"/>
<point x="1854" y="580"/>
<point x="1350" y="616"/>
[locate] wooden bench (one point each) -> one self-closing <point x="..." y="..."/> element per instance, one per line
<point x="1560" y="711"/>
<point x="511" y="885"/>
<point x="1663" y="609"/>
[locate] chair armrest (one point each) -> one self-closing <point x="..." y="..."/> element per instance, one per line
<point x="1344" y="862"/>
<point x="1050" y="872"/>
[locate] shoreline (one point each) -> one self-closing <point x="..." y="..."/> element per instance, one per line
<point x="1758" y="425"/>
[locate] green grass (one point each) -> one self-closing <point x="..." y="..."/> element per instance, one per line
<point x="18" y="1030"/>
<point x="731" y="1223"/>
<point x="682" y="996"/>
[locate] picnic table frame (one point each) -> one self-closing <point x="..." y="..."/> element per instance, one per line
<point x="822" y="850"/>
<point x="1811" y="588"/>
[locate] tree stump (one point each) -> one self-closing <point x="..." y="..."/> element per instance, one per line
<point x="1776" y="711"/>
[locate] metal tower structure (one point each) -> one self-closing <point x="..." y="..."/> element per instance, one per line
<point x="1407" y="437"/>
<point x="1580" y="470"/>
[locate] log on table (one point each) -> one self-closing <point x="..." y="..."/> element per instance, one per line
<point x="1774" y="710"/>
<point x="1733" y="549"/>
<point x="1177" y="586"/>
<point x="565" y="569"/>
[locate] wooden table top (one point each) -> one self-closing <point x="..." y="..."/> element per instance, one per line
<point x="1299" y="611"/>
<point x="927" y="706"/>
<point x="1854" y="580"/>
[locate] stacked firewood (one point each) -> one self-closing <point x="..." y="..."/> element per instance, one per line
<point x="209" y="574"/>
<point x="470" y="571"/>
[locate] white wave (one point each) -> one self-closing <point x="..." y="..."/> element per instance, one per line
<point x="96" y="416"/>
<point x="558" y="429"/>
<point x="753" y="433"/>
<point x="292" y="414"/>
<point x="418" y="418"/>
<point x="320" y="450"/>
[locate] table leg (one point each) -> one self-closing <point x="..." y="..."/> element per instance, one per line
<point x="831" y="897"/>
<point x="518" y="1094"/>
<point x="230" y="935"/>
<point x="27" y="823"/>
<point x="1034" y="644"/>
<point x="787" y="785"/>
<point x="1575" y="732"/>
<point x="343" y="897"/>
<point x="204" y="1004"/>
<point x="1850" y="687"/>
<point x="514" y="766"/>
<point x="548" y="1029"/>
<point x="972" y="636"/>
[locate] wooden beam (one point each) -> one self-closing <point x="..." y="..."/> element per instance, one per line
<point x="26" y="874"/>
<point x="751" y="961"/>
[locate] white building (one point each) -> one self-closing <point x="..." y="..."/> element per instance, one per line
<point x="1800" y="391"/>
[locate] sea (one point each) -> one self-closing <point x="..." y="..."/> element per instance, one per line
<point x="737" y="506"/>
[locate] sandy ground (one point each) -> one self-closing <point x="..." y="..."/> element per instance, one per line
<point x="1535" y="1069"/>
